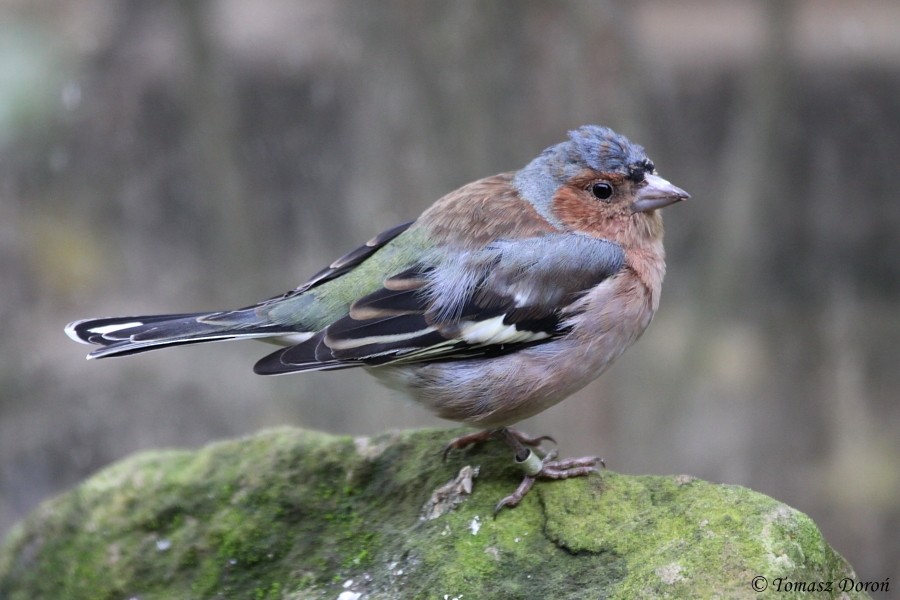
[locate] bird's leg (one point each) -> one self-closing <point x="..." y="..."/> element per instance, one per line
<point x="536" y="467"/>
<point x="478" y="437"/>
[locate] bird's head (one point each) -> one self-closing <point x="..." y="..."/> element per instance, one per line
<point x="598" y="183"/>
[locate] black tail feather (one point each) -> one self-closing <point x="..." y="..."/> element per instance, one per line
<point x="121" y="336"/>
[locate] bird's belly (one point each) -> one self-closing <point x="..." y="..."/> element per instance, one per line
<point x="506" y="389"/>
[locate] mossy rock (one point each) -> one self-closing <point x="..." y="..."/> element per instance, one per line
<point x="293" y="514"/>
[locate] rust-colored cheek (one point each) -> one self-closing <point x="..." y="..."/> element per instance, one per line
<point x="584" y="215"/>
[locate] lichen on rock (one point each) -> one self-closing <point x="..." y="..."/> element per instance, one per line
<point x="295" y="514"/>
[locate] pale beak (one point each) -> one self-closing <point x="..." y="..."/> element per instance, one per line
<point x="655" y="193"/>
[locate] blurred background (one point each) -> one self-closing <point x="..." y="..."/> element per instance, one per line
<point x="167" y="156"/>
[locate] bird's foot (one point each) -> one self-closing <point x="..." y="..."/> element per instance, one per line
<point x="536" y="467"/>
<point x="479" y="437"/>
<point x="528" y="460"/>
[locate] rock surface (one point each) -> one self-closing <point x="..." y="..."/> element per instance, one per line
<point x="294" y="514"/>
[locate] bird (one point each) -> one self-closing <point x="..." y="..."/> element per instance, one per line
<point x="500" y="300"/>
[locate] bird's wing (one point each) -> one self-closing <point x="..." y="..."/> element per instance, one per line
<point x="328" y="295"/>
<point x="349" y="261"/>
<point x="496" y="299"/>
<point x="467" y="218"/>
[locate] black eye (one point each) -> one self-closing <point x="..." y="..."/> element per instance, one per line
<point x="602" y="190"/>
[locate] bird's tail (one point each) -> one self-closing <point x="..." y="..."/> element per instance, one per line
<point x="120" y="336"/>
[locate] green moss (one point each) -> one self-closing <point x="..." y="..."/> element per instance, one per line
<point x="293" y="514"/>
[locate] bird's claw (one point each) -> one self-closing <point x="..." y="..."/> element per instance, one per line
<point x="513" y="499"/>
<point x="532" y="464"/>
<point x="547" y="468"/>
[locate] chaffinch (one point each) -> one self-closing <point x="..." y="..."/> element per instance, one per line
<point x="500" y="300"/>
